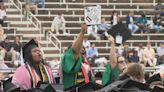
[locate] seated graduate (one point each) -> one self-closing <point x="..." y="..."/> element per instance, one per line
<point x="158" y="76"/>
<point x="27" y="76"/>
<point x="158" y="84"/>
<point x="75" y="68"/>
<point x="115" y="67"/>
<point x="133" y="71"/>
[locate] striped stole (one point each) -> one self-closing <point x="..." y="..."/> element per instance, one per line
<point x="45" y="73"/>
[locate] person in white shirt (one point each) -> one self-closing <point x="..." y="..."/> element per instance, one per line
<point x="86" y="43"/>
<point x="2" y="15"/>
<point x="114" y="18"/>
<point x="57" y="23"/>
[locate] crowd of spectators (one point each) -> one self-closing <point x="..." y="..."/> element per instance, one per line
<point x="145" y="55"/>
<point x="134" y="23"/>
<point x="128" y="59"/>
<point x="10" y="51"/>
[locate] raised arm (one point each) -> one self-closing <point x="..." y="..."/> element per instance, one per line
<point x="112" y="56"/>
<point x="77" y="44"/>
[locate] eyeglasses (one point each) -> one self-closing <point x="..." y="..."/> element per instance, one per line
<point x="121" y="62"/>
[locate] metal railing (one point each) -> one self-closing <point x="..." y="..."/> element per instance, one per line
<point x="35" y="22"/>
<point x="18" y="6"/>
<point x="54" y="40"/>
<point x="30" y="17"/>
<point x="95" y="69"/>
<point x="146" y="69"/>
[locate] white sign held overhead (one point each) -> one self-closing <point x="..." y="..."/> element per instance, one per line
<point x="92" y="15"/>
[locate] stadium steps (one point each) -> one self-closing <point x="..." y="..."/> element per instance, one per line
<point x="75" y="11"/>
<point x="26" y="30"/>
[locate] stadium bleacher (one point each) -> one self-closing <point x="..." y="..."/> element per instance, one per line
<point x="37" y="25"/>
<point x="28" y="25"/>
<point x="73" y="10"/>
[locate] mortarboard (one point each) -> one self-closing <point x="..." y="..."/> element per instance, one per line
<point x="45" y="87"/>
<point x="10" y="87"/>
<point x="126" y="85"/>
<point x="155" y="77"/>
<point x="157" y="89"/>
<point x="27" y="49"/>
<point x="33" y="90"/>
<point x="84" y="87"/>
<point x="134" y="85"/>
<point x="49" y="88"/>
<point x="112" y="87"/>
<point x="120" y="32"/>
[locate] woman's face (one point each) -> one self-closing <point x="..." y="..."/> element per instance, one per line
<point x="121" y="64"/>
<point x="36" y="55"/>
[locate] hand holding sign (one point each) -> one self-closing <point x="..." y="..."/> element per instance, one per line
<point x="92" y="15"/>
<point x="84" y="27"/>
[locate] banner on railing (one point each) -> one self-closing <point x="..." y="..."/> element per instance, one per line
<point x="92" y="15"/>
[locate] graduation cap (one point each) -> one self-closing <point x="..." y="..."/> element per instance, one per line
<point x="51" y="87"/>
<point x="157" y="89"/>
<point x="10" y="87"/>
<point x="48" y="88"/>
<point x="45" y="87"/>
<point x="120" y="32"/>
<point x="126" y="85"/>
<point x="84" y="87"/>
<point x="155" y="77"/>
<point x="134" y="85"/>
<point x="33" y="90"/>
<point x="112" y="87"/>
<point x="27" y="49"/>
